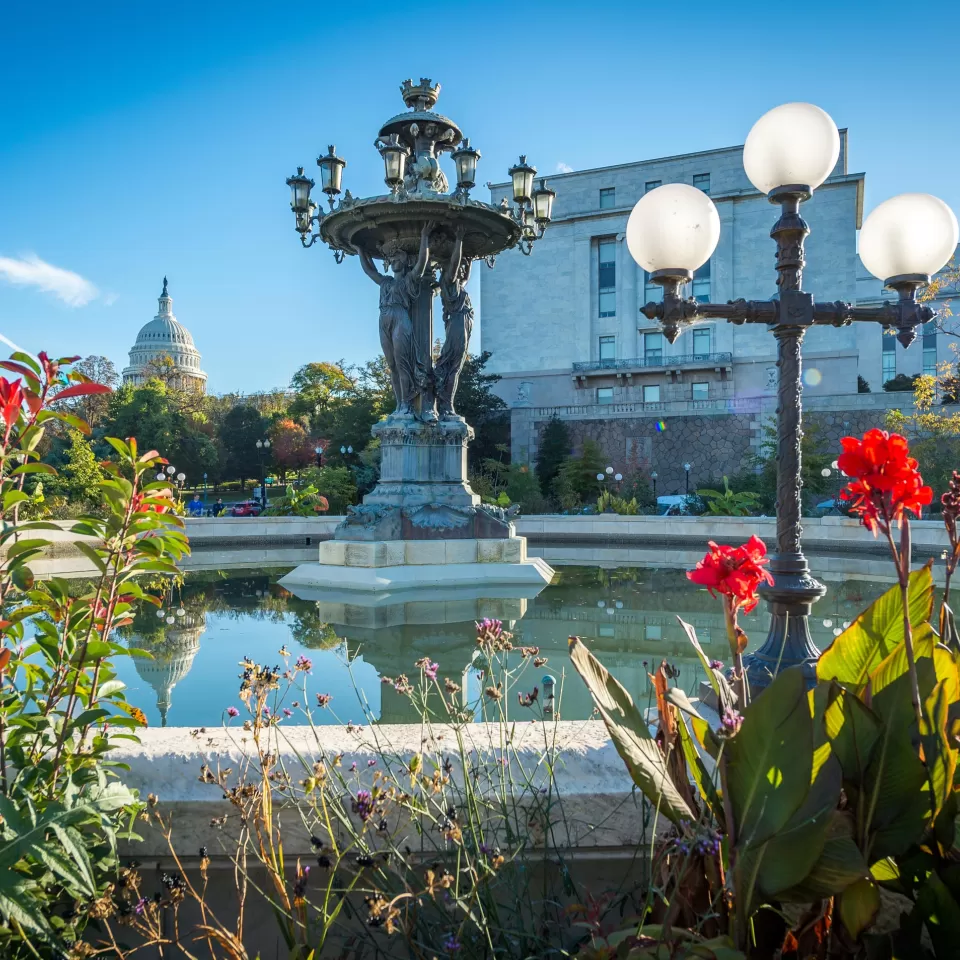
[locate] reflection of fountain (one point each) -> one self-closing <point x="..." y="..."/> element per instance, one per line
<point x="172" y="658"/>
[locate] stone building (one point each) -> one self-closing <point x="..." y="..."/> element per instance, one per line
<point x="567" y="337"/>
<point x="164" y="339"/>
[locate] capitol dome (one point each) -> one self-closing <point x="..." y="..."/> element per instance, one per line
<point x="165" y="338"/>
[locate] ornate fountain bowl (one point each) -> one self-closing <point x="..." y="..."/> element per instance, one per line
<point x="370" y="224"/>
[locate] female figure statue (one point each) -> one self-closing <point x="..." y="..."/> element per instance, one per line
<point x="457" y="324"/>
<point x="397" y="296"/>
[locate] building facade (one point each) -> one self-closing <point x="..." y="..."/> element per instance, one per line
<point x="164" y="346"/>
<point x="567" y="337"/>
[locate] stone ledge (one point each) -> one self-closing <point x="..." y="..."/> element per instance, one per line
<point x="601" y="806"/>
<point x="394" y="553"/>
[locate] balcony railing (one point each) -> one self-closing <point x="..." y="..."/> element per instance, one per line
<point x="656" y="360"/>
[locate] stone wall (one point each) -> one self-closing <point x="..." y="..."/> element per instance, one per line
<point x="714" y="442"/>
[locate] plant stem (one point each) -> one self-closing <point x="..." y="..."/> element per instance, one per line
<point x="901" y="561"/>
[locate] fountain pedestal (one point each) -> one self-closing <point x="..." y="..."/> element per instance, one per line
<point x="422" y="525"/>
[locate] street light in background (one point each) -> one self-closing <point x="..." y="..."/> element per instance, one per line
<point x="318" y="450"/>
<point x="263" y="451"/>
<point x="674" y="229"/>
<point x="653" y="480"/>
<point x="686" y="470"/>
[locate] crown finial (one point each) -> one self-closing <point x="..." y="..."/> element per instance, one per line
<point x="420" y="96"/>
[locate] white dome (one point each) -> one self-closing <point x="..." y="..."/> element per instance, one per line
<point x="165" y="337"/>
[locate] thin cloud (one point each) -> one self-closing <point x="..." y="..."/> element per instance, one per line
<point x="564" y="167"/>
<point x="110" y="299"/>
<point x="30" y="271"/>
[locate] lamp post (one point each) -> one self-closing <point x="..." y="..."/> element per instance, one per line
<point x="686" y="474"/>
<point x="653" y="480"/>
<point x="204" y="491"/>
<point x="263" y="451"/>
<point x="318" y="450"/>
<point x="674" y="229"/>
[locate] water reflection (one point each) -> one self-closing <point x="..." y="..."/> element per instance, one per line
<point x="627" y="616"/>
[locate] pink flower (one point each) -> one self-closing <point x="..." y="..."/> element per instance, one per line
<point x="287" y="713"/>
<point x="430" y="670"/>
<point x="233" y="712"/>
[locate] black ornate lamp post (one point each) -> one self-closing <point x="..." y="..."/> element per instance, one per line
<point x="686" y="479"/>
<point x="653" y="479"/>
<point x="263" y="451"/>
<point x="674" y="229"/>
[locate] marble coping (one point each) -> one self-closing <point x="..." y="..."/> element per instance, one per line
<point x="391" y="553"/>
<point x="600" y="804"/>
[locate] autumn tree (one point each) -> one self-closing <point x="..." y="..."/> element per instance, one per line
<point x="290" y="446"/>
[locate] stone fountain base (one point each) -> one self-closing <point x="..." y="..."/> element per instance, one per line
<point x="422" y="527"/>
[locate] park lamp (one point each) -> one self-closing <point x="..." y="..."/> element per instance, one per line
<point x="331" y="173"/>
<point x="394" y="155"/>
<point x="543" y="198"/>
<point x="171" y="469"/>
<point x="181" y="478"/>
<point x="522" y="176"/>
<point x="318" y="450"/>
<point x="465" y="158"/>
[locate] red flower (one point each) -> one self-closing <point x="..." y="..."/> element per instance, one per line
<point x="734" y="572"/>
<point x="11" y="400"/>
<point x="885" y="480"/>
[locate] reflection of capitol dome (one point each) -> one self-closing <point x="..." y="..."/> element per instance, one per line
<point x="172" y="659"/>
<point x="164" y="337"/>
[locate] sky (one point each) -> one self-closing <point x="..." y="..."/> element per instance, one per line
<point x="143" y="139"/>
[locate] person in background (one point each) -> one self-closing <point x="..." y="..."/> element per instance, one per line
<point x="195" y="506"/>
<point x="219" y="507"/>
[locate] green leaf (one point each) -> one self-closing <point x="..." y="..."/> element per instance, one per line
<point x="941" y="914"/>
<point x="885" y="871"/>
<point x="109" y="688"/>
<point x="21" y="909"/>
<point x="33" y="468"/>
<point x="770" y="760"/>
<point x="853" y="730"/>
<point x="91" y="553"/>
<point x="840" y="864"/>
<point x="681" y="701"/>
<point x="853" y="656"/>
<point x="858" y="906"/>
<point x="630" y="735"/>
<point x="698" y="771"/>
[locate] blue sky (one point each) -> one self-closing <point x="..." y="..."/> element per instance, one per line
<point x="140" y="139"/>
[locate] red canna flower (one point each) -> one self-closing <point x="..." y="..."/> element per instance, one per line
<point x="885" y="481"/>
<point x="11" y="400"/>
<point x="734" y="572"/>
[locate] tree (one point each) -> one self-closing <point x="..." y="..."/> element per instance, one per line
<point x="239" y="432"/>
<point x="482" y="409"/>
<point x="95" y="406"/>
<point x="290" y="446"/>
<point x="317" y="386"/>
<point x="764" y="480"/>
<point x="554" y="449"/>
<point x="863" y="385"/>
<point x="334" y="483"/>
<point x="78" y="478"/>
<point x="578" y="475"/>
<point x="901" y="383"/>
<point x="154" y="415"/>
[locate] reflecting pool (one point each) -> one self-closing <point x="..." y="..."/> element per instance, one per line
<point x="626" y="615"/>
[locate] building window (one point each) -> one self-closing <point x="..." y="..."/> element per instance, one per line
<point x="701" y="283"/>
<point x="607" y="277"/>
<point x="608" y="349"/>
<point x="701" y="391"/>
<point x="930" y="348"/>
<point x="702" y="182"/>
<point x="651" y="394"/>
<point x="701" y="342"/>
<point x="604" y="394"/>
<point x="608" y="197"/>
<point x="651" y="185"/>
<point x="889" y="358"/>
<point x="652" y="292"/>
<point x="654" y="631"/>
<point x="653" y="348"/>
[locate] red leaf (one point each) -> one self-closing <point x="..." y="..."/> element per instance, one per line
<point x="20" y="368"/>
<point x="82" y="390"/>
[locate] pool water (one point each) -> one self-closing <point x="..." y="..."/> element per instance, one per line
<point x="627" y="617"/>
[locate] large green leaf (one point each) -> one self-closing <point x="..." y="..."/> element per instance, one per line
<point x="853" y="656"/>
<point x="698" y="771"/>
<point x="770" y="760"/>
<point x="859" y="905"/>
<point x="764" y="872"/>
<point x="840" y="863"/>
<point x="630" y="735"/>
<point x="853" y="730"/>
<point x="941" y="914"/>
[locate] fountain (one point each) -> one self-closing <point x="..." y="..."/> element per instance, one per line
<point x="422" y="524"/>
